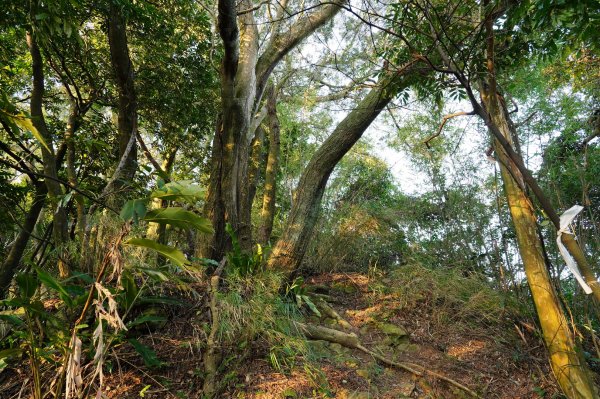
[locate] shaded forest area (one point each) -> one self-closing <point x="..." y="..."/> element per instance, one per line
<point x="279" y="199"/>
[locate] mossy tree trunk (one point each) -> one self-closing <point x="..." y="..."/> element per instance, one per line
<point x="12" y="260"/>
<point x="568" y="364"/>
<point x="289" y="250"/>
<point x="60" y="232"/>
<point x="267" y="214"/>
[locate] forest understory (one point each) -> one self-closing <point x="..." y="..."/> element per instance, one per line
<point x="472" y="335"/>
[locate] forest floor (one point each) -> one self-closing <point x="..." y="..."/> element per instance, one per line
<point x="498" y="357"/>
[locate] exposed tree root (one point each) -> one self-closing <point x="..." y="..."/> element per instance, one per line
<point x="330" y="312"/>
<point x="351" y="340"/>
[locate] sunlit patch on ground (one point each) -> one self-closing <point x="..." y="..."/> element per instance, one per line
<point x="466" y="349"/>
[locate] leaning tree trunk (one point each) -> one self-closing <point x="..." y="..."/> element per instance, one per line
<point x="12" y="260"/>
<point x="127" y="109"/>
<point x="244" y="75"/>
<point x="289" y="250"/>
<point x="566" y="359"/>
<point x="267" y="214"/>
<point x="567" y="363"/>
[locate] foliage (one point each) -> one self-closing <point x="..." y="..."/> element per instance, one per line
<point x="451" y="297"/>
<point x="243" y="263"/>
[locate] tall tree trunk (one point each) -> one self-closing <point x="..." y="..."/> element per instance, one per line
<point x="256" y="160"/>
<point x="267" y="213"/>
<point x="256" y="153"/>
<point x="243" y="79"/>
<point x="124" y="77"/>
<point x="10" y="264"/>
<point x="72" y="126"/>
<point x="289" y="250"/>
<point x="60" y="224"/>
<point x="567" y="363"/>
<point x="566" y="359"/>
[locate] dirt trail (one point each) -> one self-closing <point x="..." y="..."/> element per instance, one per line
<point x="495" y="364"/>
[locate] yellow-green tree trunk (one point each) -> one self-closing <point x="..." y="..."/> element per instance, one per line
<point x="568" y="365"/>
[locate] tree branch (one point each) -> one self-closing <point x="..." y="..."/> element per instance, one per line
<point x="446" y="118"/>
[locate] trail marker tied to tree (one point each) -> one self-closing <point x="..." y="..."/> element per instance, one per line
<point x="565" y="220"/>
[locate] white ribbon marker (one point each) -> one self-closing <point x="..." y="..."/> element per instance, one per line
<point x="565" y="220"/>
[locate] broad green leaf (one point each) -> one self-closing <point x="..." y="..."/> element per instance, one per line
<point x="162" y="300"/>
<point x="173" y="254"/>
<point x="179" y="217"/>
<point x="130" y="288"/>
<point x="54" y="284"/>
<point x="179" y="190"/>
<point x="27" y="284"/>
<point x="148" y="355"/>
<point x="146" y="319"/>
<point x="12" y="319"/>
<point x="134" y="209"/>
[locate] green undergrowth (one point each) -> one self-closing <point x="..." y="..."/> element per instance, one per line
<point x="256" y="320"/>
<point x="448" y="296"/>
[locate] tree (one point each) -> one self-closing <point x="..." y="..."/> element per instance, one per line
<point x="244" y="75"/>
<point x="290" y="248"/>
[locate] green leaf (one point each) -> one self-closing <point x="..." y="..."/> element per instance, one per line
<point x="134" y="209"/>
<point x="65" y="199"/>
<point x="147" y="354"/>
<point x="12" y="319"/>
<point x="7" y="354"/>
<point x="179" y="217"/>
<point x="52" y="283"/>
<point x="22" y="121"/>
<point x="173" y="254"/>
<point x="146" y="319"/>
<point x="162" y="300"/>
<point x="130" y="288"/>
<point x="27" y="284"/>
<point x="179" y="190"/>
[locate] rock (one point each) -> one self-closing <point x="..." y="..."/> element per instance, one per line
<point x="392" y="329"/>
<point x="337" y="348"/>
<point x="360" y="395"/>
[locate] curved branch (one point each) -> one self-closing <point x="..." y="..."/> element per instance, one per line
<point x="283" y="42"/>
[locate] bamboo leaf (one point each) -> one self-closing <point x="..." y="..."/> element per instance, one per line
<point x="22" y="121"/>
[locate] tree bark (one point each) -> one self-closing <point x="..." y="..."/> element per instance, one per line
<point x="243" y="78"/>
<point x="60" y="224"/>
<point x="267" y="214"/>
<point x="72" y="126"/>
<point x="256" y="159"/>
<point x="10" y="264"/>
<point x="127" y="108"/>
<point x="289" y="250"/>
<point x="568" y="364"/>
